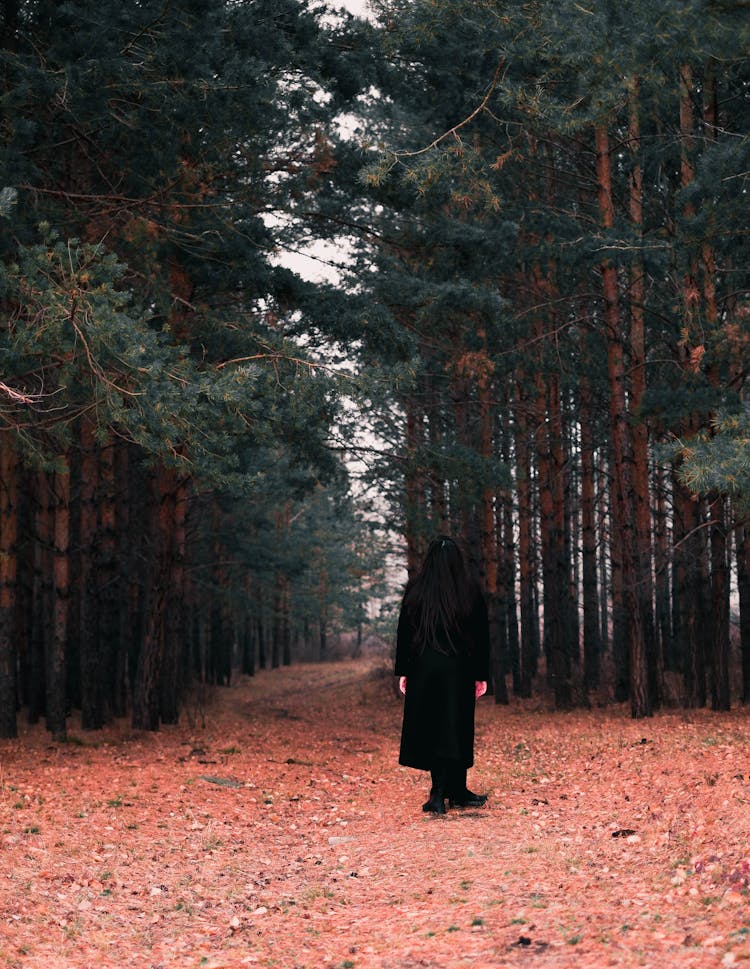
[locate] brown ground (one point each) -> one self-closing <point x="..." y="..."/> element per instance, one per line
<point x="285" y="834"/>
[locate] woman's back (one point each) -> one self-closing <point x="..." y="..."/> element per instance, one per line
<point x="440" y="601"/>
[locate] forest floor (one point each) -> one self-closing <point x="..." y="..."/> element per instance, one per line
<point x="283" y="833"/>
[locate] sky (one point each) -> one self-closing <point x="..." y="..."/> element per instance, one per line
<point x="320" y="261"/>
<point x="358" y="7"/>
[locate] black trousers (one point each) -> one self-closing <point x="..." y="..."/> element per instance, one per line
<point x="448" y="779"/>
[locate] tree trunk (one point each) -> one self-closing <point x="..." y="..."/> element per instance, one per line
<point x="507" y="568"/>
<point x="229" y="640"/>
<point x="278" y="622"/>
<point x="148" y="672"/>
<point x="641" y="489"/>
<point x="667" y="658"/>
<point x="526" y="670"/>
<point x="719" y="611"/>
<point x="248" y="642"/>
<point x="323" y="614"/>
<point x="489" y="541"/>
<point x="92" y="713"/>
<point x="41" y="596"/>
<point x="174" y="624"/>
<point x="413" y="511"/>
<point x="463" y="501"/>
<point x="9" y="470"/>
<point x="132" y="520"/>
<point x="552" y="535"/>
<point x="220" y="658"/>
<point x="56" y="700"/>
<point x="322" y="639"/>
<point x="742" y="543"/>
<point x="24" y="605"/>
<point x="720" y="692"/>
<point x="604" y="560"/>
<point x="571" y="510"/>
<point x="623" y="511"/>
<point x="687" y="595"/>
<point x="109" y="574"/>
<point x="619" y="612"/>
<point x="278" y="601"/>
<point x="286" y="631"/>
<point x="439" y="503"/>
<point x="591" y="637"/>
<point x="261" y="627"/>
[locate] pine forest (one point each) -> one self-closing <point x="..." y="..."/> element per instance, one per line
<point x="527" y="326"/>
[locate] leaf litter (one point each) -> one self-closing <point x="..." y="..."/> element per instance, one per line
<point x="306" y="847"/>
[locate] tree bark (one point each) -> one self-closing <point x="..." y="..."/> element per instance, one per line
<point x="412" y="488"/>
<point x="552" y="542"/>
<point x="591" y="637"/>
<point x="220" y="656"/>
<point x="261" y="629"/>
<point x="248" y="642"/>
<point x="41" y="595"/>
<point x="640" y="437"/>
<point x="506" y="567"/>
<point x="92" y="712"/>
<point x="690" y="565"/>
<point x="56" y="698"/>
<point x="133" y="523"/>
<point x="146" y="687"/>
<point x="720" y="691"/>
<point x="623" y="511"/>
<point x="111" y="570"/>
<point x="438" y="503"/>
<point x="323" y="614"/>
<point x="489" y="540"/>
<point x="687" y="595"/>
<point x="174" y="624"/>
<point x="604" y="560"/>
<point x="571" y="509"/>
<point x="742" y="546"/>
<point x="665" y="644"/>
<point x="526" y="670"/>
<point x="9" y="470"/>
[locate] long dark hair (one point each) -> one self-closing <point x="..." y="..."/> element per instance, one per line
<point x="440" y="597"/>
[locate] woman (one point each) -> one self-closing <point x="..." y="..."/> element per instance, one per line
<point x="442" y="659"/>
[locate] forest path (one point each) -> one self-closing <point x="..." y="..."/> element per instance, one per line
<point x="283" y="833"/>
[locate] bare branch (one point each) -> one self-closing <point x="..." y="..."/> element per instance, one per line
<point x="22" y="398"/>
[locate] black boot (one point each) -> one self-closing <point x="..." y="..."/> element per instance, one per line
<point x="459" y="794"/>
<point x="469" y="800"/>
<point x="436" y="802"/>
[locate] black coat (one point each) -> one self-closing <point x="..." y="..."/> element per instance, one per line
<point x="439" y="705"/>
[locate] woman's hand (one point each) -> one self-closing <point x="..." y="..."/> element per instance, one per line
<point x="480" y="688"/>
<point x="402" y="684"/>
